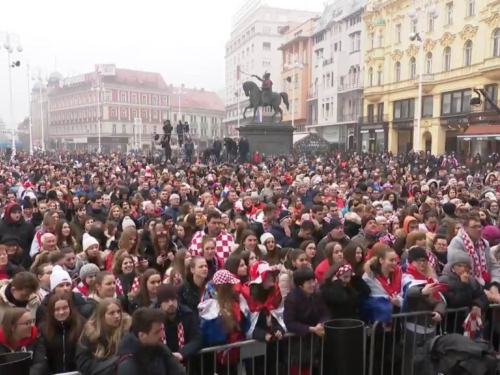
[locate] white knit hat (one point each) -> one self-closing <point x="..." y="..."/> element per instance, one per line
<point x="265" y="237"/>
<point x="58" y="277"/>
<point x="127" y="223"/>
<point x="88" y="241"/>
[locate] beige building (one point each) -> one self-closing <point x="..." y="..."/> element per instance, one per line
<point x="461" y="52"/>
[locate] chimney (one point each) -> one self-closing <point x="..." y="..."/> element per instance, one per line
<point x="182" y="86"/>
<point x="202" y="89"/>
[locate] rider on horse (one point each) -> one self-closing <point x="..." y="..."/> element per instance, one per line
<point x="267" y="88"/>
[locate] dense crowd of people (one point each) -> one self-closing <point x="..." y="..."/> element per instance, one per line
<point x="112" y="264"/>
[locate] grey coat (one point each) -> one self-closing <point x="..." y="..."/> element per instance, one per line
<point x="457" y="244"/>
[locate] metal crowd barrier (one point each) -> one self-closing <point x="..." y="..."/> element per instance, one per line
<point x="390" y="349"/>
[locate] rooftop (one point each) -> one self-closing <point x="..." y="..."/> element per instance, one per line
<point x="196" y="98"/>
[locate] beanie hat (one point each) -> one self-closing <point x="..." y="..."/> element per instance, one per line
<point x="166" y="292"/>
<point x="127" y="223"/>
<point x="491" y="233"/>
<point x="265" y="237"/>
<point x="365" y="220"/>
<point x="27" y="203"/>
<point x="90" y="269"/>
<point x="449" y="209"/>
<point x="333" y="224"/>
<point x="417" y="253"/>
<point x="284" y="215"/>
<point x="388" y="208"/>
<point x="15" y="207"/>
<point x="10" y="240"/>
<point x="88" y="241"/>
<point x="58" y="277"/>
<point x="460" y="257"/>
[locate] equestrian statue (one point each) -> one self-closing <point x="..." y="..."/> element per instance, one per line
<point x="265" y="97"/>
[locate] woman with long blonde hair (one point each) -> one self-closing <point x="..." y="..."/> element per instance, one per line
<point x="129" y="242"/>
<point x="115" y="213"/>
<point x="98" y="344"/>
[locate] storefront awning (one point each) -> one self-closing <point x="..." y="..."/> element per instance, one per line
<point x="481" y="132"/>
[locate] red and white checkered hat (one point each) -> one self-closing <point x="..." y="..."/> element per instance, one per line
<point x="224" y="277"/>
<point x="259" y="271"/>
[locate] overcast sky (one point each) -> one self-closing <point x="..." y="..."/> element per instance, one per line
<point x="182" y="40"/>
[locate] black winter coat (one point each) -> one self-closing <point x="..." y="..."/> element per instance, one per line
<point x="88" y="364"/>
<point x="189" y="294"/>
<point x="61" y="351"/>
<point x="342" y="302"/>
<point x="98" y="215"/>
<point x="84" y="308"/>
<point x="137" y="359"/>
<point x="192" y="336"/>
<point x="22" y="230"/>
<point x="35" y="345"/>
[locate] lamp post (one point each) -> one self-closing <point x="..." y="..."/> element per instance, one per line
<point x="98" y="88"/>
<point x="30" y="116"/>
<point x="179" y="92"/>
<point x="293" y="65"/>
<point x="417" y="14"/>
<point x="38" y="74"/>
<point x="9" y="41"/>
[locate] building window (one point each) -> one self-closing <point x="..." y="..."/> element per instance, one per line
<point x="447" y="59"/>
<point x="144" y="99"/>
<point x="468" y="53"/>
<point x="379" y="77"/>
<point x="266" y="30"/>
<point x="455" y="102"/>
<point x="398" y="33"/>
<point x="114" y="128"/>
<point x="124" y="128"/>
<point x="164" y="100"/>
<point x="123" y="97"/>
<point x="404" y="109"/>
<point x="266" y="46"/>
<point x="427" y="106"/>
<point x="380" y="112"/>
<point x="397" y="72"/>
<point x="471" y="4"/>
<point x="414" y="25"/>
<point x="266" y="63"/>
<point x="134" y="98"/>
<point x="413" y="68"/>
<point x="428" y="63"/>
<point x="492" y="91"/>
<point x="370" y="77"/>
<point x="154" y="100"/>
<point x="114" y="112"/>
<point x="370" y="112"/>
<point x="134" y="113"/>
<point x="124" y="113"/>
<point x="430" y="23"/>
<point x="449" y="14"/>
<point x="144" y="114"/>
<point x="155" y="115"/>
<point x="496" y="43"/>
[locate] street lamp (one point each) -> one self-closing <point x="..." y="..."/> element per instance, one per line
<point x="179" y="92"/>
<point x="293" y="65"/>
<point x="98" y="87"/>
<point x="39" y="77"/>
<point x="30" y="116"/>
<point x="419" y="9"/>
<point x="9" y="42"/>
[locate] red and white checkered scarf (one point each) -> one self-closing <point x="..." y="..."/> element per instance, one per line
<point x="477" y="254"/>
<point x="119" y="286"/>
<point x="180" y="336"/>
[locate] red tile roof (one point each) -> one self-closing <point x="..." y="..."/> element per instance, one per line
<point x="196" y="99"/>
<point x="137" y="78"/>
<point x="482" y="130"/>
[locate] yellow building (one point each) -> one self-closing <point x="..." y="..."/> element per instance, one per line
<point x="461" y="52"/>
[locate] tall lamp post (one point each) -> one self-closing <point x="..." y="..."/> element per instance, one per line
<point x="179" y="92"/>
<point x="38" y="75"/>
<point x="98" y="88"/>
<point x="30" y="115"/>
<point x="292" y="65"/>
<point x="417" y="13"/>
<point x="10" y="41"/>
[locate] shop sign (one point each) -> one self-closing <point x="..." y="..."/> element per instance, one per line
<point x="403" y="124"/>
<point x="312" y="143"/>
<point x="455" y="120"/>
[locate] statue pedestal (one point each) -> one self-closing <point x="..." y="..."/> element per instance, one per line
<point x="268" y="138"/>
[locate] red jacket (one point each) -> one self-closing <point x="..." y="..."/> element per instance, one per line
<point x="321" y="271"/>
<point x="257" y="159"/>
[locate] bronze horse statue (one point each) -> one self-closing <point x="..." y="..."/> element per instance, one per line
<point x="254" y="93"/>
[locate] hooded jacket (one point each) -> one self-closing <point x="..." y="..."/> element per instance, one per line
<point x="21" y="229"/>
<point x="7" y="300"/>
<point x="34" y="344"/>
<point x="138" y="359"/>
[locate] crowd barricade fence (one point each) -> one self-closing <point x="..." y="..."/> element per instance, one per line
<point x="389" y="348"/>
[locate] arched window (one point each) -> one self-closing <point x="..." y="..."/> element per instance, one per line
<point x="397" y="69"/>
<point x="370" y="77"/>
<point x="496" y="43"/>
<point x="413" y="68"/>
<point x="468" y="53"/>
<point x="428" y="63"/>
<point x="447" y="59"/>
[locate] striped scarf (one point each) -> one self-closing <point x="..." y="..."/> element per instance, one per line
<point x="180" y="336"/>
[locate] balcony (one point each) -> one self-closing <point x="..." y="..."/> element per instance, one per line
<point x="349" y="117"/>
<point x="327" y="61"/>
<point x="350" y="86"/>
<point x="312" y="95"/>
<point x="376" y="119"/>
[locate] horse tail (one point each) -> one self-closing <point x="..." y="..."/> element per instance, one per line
<point x="284" y="95"/>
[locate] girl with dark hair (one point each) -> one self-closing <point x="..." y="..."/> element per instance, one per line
<point x="237" y="266"/>
<point x="177" y="273"/>
<point x="249" y="242"/>
<point x="65" y="237"/>
<point x="296" y="258"/>
<point x="61" y="330"/>
<point x="309" y="247"/>
<point x="148" y="291"/>
<point x="333" y="253"/>
<point x="192" y="289"/>
<point x="126" y="276"/>
<point x="209" y="252"/>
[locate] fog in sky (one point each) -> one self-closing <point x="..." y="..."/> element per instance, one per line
<point x="182" y="40"/>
